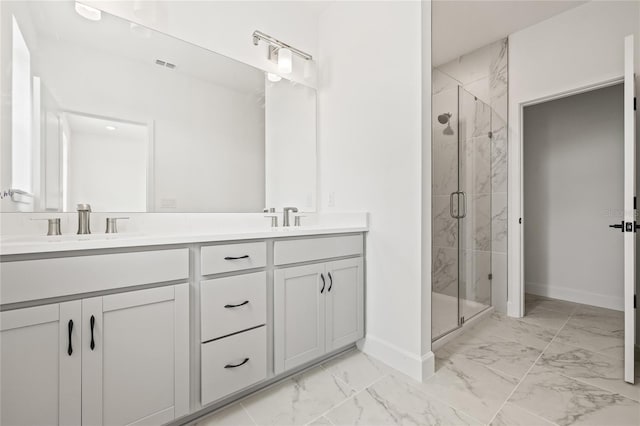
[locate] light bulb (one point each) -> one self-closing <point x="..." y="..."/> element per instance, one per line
<point x="88" y="12"/>
<point x="273" y="77"/>
<point x="285" y="61"/>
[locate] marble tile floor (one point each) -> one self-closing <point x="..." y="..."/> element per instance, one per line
<point x="559" y="365"/>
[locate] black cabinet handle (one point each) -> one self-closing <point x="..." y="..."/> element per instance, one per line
<point x="92" y="322"/>
<point x="246" y="302"/>
<point x="323" y="283"/>
<point x="330" y="282"/>
<point x="246" y="256"/>
<point x="246" y="360"/>
<point x="70" y="348"/>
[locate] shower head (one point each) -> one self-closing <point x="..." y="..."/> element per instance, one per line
<point x="444" y="118"/>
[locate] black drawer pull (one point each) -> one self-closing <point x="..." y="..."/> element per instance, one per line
<point x="330" y="282"/>
<point x="92" y="322"/>
<point x="246" y="360"/>
<point x="246" y="302"/>
<point x="70" y="349"/>
<point x="246" y="256"/>
<point x="323" y="283"/>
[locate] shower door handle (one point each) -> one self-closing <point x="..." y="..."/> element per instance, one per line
<point x="464" y="204"/>
<point x="451" y="205"/>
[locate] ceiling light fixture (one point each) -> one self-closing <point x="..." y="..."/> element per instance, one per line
<point x="112" y="128"/>
<point x="88" y="12"/>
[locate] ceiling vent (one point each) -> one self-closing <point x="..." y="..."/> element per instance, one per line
<point x="165" y="64"/>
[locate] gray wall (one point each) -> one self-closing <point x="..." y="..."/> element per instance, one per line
<point x="573" y="177"/>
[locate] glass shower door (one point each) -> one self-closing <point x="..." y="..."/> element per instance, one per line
<point x="474" y="225"/>
<point x="461" y="209"/>
<point x="445" y="315"/>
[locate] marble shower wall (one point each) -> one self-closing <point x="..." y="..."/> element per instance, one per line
<point x="483" y="141"/>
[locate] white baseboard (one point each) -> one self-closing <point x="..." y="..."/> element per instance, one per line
<point x="577" y="296"/>
<point x="414" y="366"/>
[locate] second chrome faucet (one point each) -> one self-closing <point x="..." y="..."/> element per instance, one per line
<point x="286" y="213"/>
<point x="84" y="212"/>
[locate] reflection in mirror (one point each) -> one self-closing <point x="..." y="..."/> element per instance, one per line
<point x="128" y="119"/>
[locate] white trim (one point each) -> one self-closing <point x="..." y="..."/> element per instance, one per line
<point x="414" y="366"/>
<point x="181" y="348"/>
<point x="629" y="210"/>
<point x="574" y="295"/>
<point x="515" y="197"/>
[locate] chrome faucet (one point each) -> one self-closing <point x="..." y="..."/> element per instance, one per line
<point x="285" y="216"/>
<point x="84" y="210"/>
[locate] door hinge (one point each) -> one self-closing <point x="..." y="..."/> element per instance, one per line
<point x="634" y="301"/>
<point x="635" y="103"/>
<point x="490" y="276"/>
<point x="461" y="320"/>
<point x="490" y="135"/>
<point x="520" y="221"/>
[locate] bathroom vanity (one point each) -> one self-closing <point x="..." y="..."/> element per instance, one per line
<point x="148" y="330"/>
<point x="198" y="301"/>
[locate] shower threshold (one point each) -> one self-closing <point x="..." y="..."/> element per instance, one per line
<point x="447" y="303"/>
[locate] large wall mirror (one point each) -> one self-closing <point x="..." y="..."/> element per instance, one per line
<point x="128" y="119"/>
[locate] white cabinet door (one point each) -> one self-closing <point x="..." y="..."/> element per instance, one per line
<point x="40" y="365"/>
<point x="299" y="315"/>
<point x="345" y="303"/>
<point x="136" y="371"/>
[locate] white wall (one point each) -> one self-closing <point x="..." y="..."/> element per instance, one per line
<point x="370" y="95"/>
<point x="573" y="50"/>
<point x="290" y="146"/>
<point x="226" y="26"/>
<point x="92" y="160"/>
<point x="426" y="246"/>
<point x="573" y="166"/>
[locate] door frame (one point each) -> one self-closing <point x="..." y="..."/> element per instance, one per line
<point x="515" y="194"/>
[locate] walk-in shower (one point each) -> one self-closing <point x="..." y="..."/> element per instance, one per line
<point x="462" y="237"/>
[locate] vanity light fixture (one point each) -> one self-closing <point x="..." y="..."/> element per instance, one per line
<point x="285" y="61"/>
<point x="280" y="52"/>
<point x="88" y="12"/>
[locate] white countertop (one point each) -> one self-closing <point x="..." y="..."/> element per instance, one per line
<point x="29" y="244"/>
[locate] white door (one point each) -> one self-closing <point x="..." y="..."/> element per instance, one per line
<point x="345" y="303"/>
<point x="40" y="365"/>
<point x="299" y="315"/>
<point x="135" y="357"/>
<point x="629" y="210"/>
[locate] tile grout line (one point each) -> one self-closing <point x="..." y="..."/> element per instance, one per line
<point x="571" y="315"/>
<point x="416" y="385"/>
<point x="246" y="410"/>
<point x="356" y="393"/>
<point x="529" y="370"/>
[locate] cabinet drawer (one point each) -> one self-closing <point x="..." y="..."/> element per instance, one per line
<point x="305" y="250"/>
<point x="232" y="304"/>
<point x="44" y="278"/>
<point x="246" y="351"/>
<point x="232" y="257"/>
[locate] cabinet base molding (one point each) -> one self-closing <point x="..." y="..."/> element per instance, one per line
<point x="223" y="403"/>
